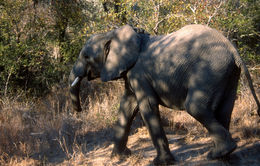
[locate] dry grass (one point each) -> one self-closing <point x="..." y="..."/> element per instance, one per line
<point x="43" y="129"/>
<point x="45" y="132"/>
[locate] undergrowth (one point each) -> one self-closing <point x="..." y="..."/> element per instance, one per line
<point x="46" y="132"/>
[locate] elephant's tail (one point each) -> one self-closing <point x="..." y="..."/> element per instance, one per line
<point x="240" y="63"/>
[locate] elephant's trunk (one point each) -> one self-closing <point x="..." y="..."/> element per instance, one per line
<point x="78" y="72"/>
<point x="74" y="82"/>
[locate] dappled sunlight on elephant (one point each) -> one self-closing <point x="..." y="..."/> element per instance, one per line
<point x="195" y="68"/>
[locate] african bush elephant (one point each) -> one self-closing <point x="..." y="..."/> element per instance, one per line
<point x="195" y="68"/>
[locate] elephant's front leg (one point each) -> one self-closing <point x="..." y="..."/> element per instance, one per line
<point x="127" y="111"/>
<point x="151" y="117"/>
<point x="149" y="109"/>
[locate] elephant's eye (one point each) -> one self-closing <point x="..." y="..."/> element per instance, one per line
<point x="90" y="59"/>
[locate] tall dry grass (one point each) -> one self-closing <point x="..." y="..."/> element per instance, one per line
<point x="45" y="132"/>
<point x="41" y="130"/>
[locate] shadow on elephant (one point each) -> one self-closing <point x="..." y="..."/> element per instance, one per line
<point x="195" y="68"/>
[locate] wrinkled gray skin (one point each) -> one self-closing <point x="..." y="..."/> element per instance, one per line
<point x="195" y="68"/>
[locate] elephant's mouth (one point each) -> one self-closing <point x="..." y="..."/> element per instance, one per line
<point x="90" y="76"/>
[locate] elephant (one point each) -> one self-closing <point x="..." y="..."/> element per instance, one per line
<point x="195" y="69"/>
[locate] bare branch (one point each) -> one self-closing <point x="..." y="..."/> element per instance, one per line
<point x="215" y="12"/>
<point x="156" y="16"/>
<point x="155" y="29"/>
<point x="7" y="81"/>
<point x="193" y="9"/>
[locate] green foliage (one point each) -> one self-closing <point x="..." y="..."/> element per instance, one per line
<point x="40" y="39"/>
<point x="29" y="37"/>
<point x="240" y="20"/>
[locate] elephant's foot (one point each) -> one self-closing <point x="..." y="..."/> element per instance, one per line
<point x="164" y="160"/>
<point x="121" y="153"/>
<point x="222" y="150"/>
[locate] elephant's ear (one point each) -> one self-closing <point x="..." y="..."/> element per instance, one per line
<point x="122" y="52"/>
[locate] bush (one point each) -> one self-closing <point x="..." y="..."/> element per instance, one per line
<point x="28" y="37"/>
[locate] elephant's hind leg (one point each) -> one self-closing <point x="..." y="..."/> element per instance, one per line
<point x="198" y="105"/>
<point x="127" y="111"/>
<point x="225" y="107"/>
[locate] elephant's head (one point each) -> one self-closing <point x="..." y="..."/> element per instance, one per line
<point x="109" y="56"/>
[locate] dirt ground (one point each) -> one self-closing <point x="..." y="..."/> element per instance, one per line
<point x="192" y="153"/>
<point x="189" y="146"/>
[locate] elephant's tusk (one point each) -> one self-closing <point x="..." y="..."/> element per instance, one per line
<point x="75" y="82"/>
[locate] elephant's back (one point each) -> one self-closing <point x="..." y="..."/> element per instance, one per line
<point x="189" y="45"/>
<point x="187" y="39"/>
<point x="192" y="31"/>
